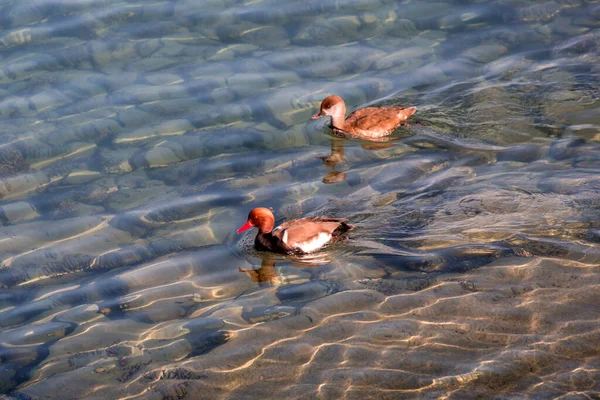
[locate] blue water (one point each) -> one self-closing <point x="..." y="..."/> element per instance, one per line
<point x="136" y="136"/>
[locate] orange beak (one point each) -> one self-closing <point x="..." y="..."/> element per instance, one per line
<point x="245" y="227"/>
<point x="318" y="115"/>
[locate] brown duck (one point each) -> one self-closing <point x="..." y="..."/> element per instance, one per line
<point x="367" y="123"/>
<point x="293" y="237"/>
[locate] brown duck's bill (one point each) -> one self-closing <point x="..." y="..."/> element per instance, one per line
<point x="245" y="227"/>
<point x="318" y="115"/>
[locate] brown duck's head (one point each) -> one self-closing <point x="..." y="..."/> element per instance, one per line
<point x="332" y="105"/>
<point x="261" y="218"/>
<point x="407" y="112"/>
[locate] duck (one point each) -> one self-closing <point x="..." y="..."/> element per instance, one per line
<point x="300" y="236"/>
<point x="367" y="123"/>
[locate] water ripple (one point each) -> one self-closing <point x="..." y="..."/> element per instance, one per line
<point x="137" y="136"/>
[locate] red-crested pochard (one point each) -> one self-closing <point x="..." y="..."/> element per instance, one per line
<point x="368" y="123"/>
<point x="293" y="237"/>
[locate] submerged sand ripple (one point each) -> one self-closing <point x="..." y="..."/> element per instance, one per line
<point x="520" y="326"/>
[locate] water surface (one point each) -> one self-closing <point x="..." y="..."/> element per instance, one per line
<point x="136" y="136"/>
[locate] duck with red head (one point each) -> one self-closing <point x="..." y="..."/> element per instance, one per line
<point x="366" y="123"/>
<point x="293" y="237"/>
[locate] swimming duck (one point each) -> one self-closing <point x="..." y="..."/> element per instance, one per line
<point x="293" y="237"/>
<point x="367" y="123"/>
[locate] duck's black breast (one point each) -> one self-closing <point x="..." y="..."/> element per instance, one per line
<point x="270" y="242"/>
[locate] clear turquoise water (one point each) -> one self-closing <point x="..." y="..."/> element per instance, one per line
<point x="136" y="136"/>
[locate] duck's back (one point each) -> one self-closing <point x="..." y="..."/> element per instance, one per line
<point x="377" y="121"/>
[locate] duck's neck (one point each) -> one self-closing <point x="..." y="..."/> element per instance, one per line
<point x="265" y="235"/>
<point x="264" y="241"/>
<point x="338" y="122"/>
<point x="338" y="119"/>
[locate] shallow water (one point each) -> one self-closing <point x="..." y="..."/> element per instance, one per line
<point x="136" y="136"/>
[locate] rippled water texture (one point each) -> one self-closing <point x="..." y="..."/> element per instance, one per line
<point x="136" y="136"/>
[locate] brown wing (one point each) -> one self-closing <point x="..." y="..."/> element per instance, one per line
<point x="302" y="230"/>
<point x="303" y="221"/>
<point x="379" y="119"/>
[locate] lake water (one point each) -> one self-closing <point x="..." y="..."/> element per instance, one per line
<point x="136" y="136"/>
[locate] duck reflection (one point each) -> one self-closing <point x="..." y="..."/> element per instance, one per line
<point x="333" y="160"/>
<point x="268" y="276"/>
<point x="336" y="157"/>
<point x="265" y="274"/>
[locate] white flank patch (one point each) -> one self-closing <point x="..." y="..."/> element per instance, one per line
<point x="284" y="238"/>
<point x="315" y="243"/>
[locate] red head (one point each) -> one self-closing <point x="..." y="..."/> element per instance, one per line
<point x="332" y="105"/>
<point x="261" y="218"/>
